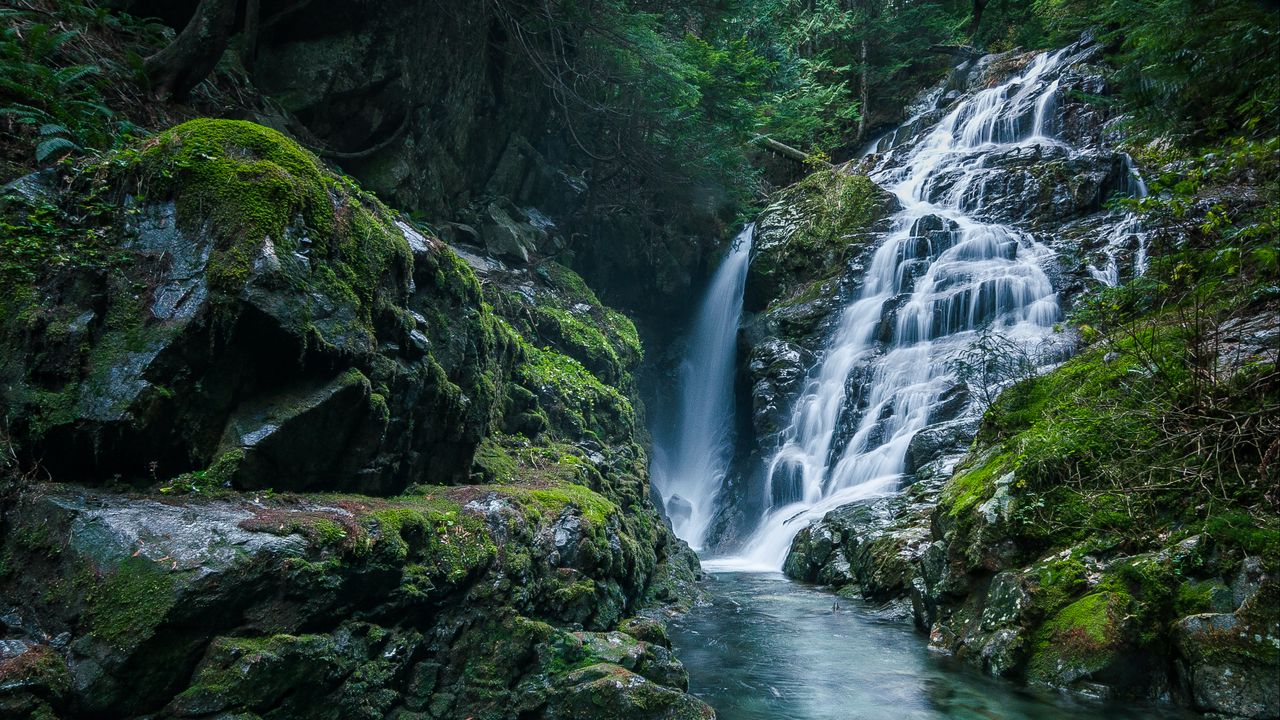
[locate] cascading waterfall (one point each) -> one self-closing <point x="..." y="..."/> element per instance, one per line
<point x="939" y="276"/>
<point x="1129" y="227"/>
<point x="689" y="472"/>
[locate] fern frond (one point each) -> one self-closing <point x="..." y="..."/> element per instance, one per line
<point x="53" y="146"/>
<point x="75" y="73"/>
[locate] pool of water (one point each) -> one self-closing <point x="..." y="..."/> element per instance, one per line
<point x="768" y="648"/>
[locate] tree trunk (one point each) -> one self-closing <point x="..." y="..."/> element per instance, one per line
<point x="786" y="151"/>
<point x="189" y="59"/>
<point x="252" y="18"/>
<point x="866" y="96"/>
<point x="978" y="7"/>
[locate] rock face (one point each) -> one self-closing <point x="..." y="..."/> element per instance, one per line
<point x="1022" y="576"/>
<point x="358" y="607"/>
<point x="319" y="472"/>
<point x="287" y="330"/>
<point x="438" y="108"/>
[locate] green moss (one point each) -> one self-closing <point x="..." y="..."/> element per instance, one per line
<point x="251" y="672"/>
<point x="568" y="283"/>
<point x="1235" y="528"/>
<point x="622" y="332"/>
<point x="1057" y="581"/>
<point x="577" y="399"/>
<point x="836" y="204"/>
<point x="550" y="502"/>
<point x="247" y="183"/>
<point x="827" y="214"/>
<point x="1194" y="598"/>
<point x="246" y="180"/>
<point x="972" y="486"/>
<point x="575" y="594"/>
<point x="432" y="533"/>
<point x="216" y="479"/>
<point x="571" y="320"/>
<point x="577" y="336"/>
<point x="1081" y="638"/>
<point x="494" y="462"/>
<point x="128" y="604"/>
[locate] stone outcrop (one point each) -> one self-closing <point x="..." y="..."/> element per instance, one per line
<point x="281" y="453"/>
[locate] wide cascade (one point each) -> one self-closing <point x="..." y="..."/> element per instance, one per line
<point x="690" y="468"/>
<point x="943" y="273"/>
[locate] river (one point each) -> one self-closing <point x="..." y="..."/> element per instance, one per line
<point x="768" y="648"/>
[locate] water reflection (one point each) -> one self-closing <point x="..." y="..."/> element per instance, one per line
<point x="771" y="649"/>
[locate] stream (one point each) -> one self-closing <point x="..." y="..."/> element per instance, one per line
<point x="953" y="263"/>
<point x="768" y="648"/>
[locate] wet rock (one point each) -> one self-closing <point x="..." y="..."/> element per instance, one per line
<point x="1229" y="662"/>
<point x="871" y="549"/>
<point x="646" y="629"/>
<point x="246" y="351"/>
<point x="604" y="690"/>
<point x="653" y="662"/>
<point x="295" y="440"/>
<point x="778" y="370"/>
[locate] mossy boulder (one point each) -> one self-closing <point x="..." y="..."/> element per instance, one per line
<point x="1084" y="639"/>
<point x="255" y="302"/>
<point x="867" y="549"/>
<point x="323" y="606"/>
<point x="811" y="232"/>
<point x="1228" y="662"/>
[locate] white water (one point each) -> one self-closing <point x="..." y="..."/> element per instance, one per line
<point x="689" y="472"/>
<point x="1129" y="227"/>
<point x="951" y="274"/>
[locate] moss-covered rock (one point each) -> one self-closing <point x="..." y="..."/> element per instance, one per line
<point x="1080" y="640"/>
<point x="810" y="233"/>
<point x="267" y="326"/>
<point x="245" y="604"/>
<point x="256" y="298"/>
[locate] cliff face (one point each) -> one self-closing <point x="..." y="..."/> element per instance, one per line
<point x="280" y="453"/>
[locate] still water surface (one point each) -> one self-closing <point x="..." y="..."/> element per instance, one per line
<point x="772" y="649"/>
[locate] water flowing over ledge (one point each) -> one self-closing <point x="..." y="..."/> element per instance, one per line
<point x="689" y="473"/>
<point x="949" y="267"/>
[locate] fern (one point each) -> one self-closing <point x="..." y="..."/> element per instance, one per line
<point x="55" y="146"/>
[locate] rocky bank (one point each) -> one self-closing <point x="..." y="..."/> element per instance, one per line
<point x="283" y="453"/>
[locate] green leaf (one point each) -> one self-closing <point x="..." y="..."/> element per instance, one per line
<point x="53" y="146"/>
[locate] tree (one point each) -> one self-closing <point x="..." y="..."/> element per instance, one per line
<point x="184" y="63"/>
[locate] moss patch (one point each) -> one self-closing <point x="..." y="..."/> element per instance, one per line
<point x="128" y="604"/>
<point x="249" y="184"/>
<point x="1080" y="639"/>
<point x="824" y="218"/>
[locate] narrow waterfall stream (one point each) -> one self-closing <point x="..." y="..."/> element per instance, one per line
<point x="689" y="472"/>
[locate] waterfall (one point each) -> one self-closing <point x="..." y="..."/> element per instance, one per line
<point x="939" y="276"/>
<point x="1130" y="226"/>
<point x="689" y="472"/>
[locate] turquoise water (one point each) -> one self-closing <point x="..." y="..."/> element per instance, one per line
<point x="772" y="649"/>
